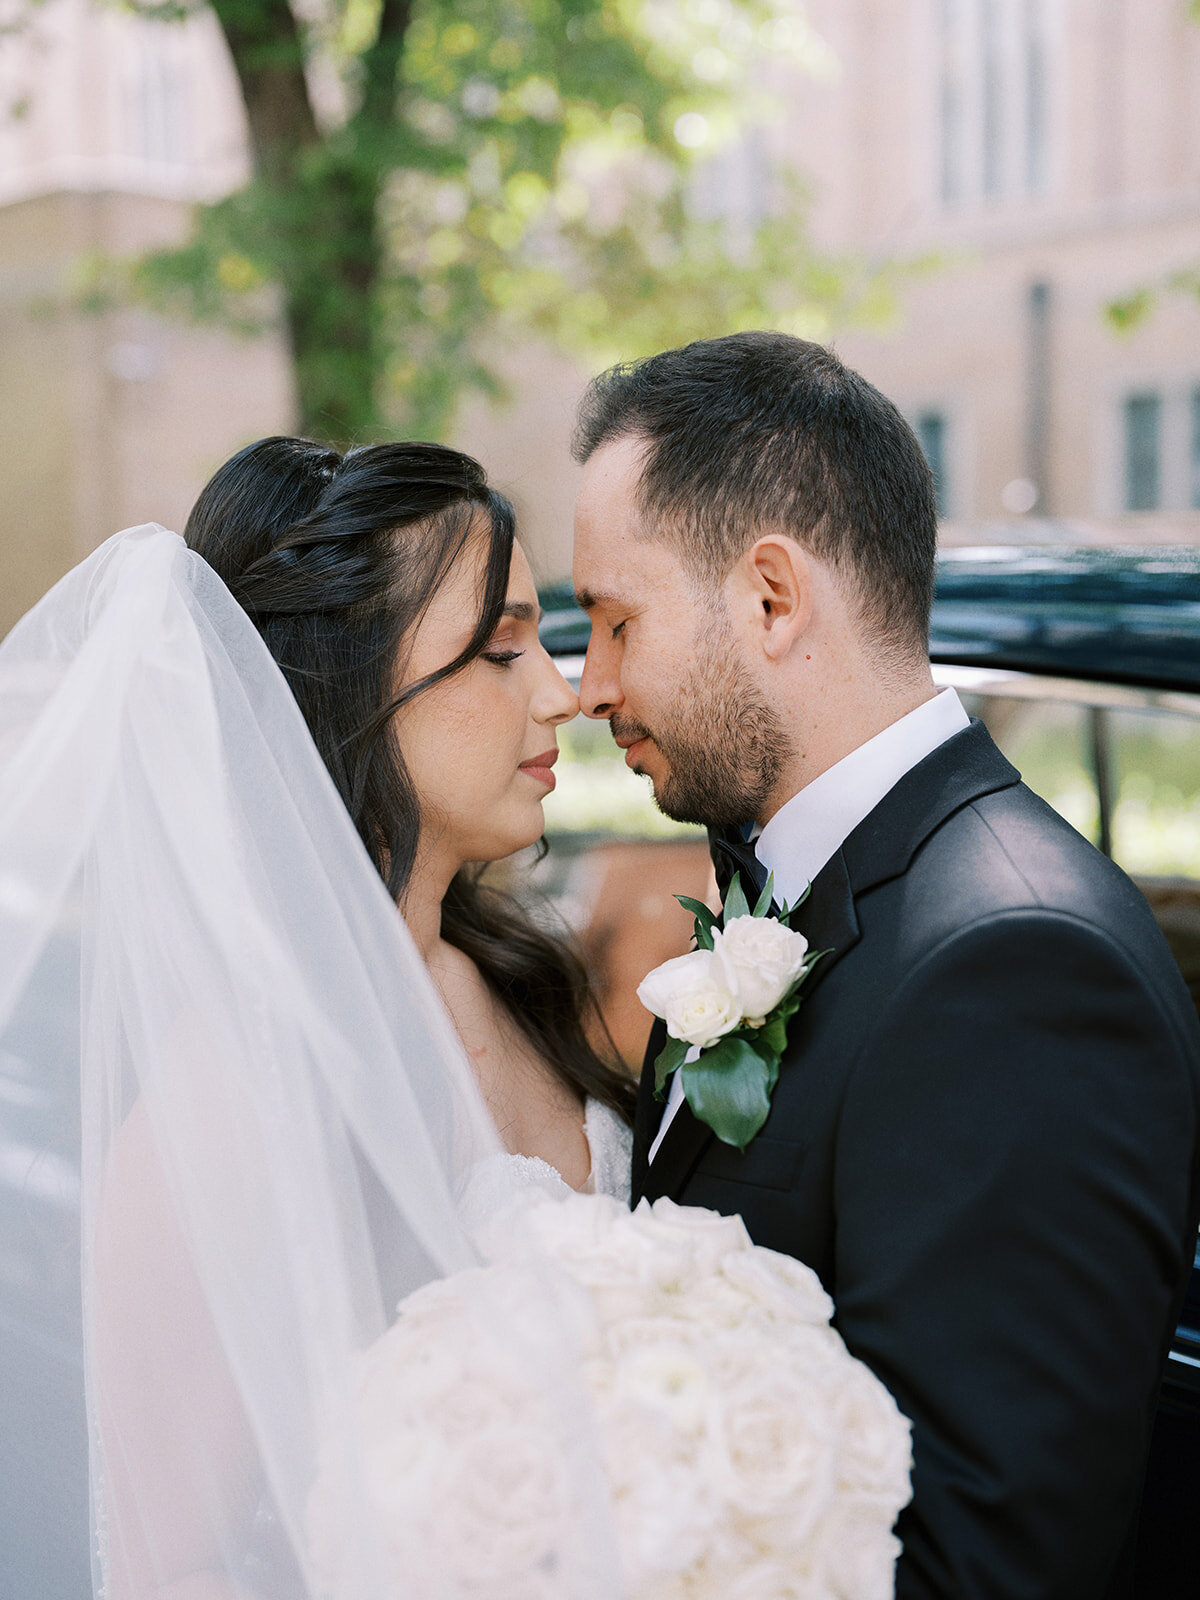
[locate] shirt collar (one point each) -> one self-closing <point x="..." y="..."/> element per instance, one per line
<point x="811" y="827"/>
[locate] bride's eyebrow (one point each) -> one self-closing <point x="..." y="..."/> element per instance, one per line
<point x="522" y="611"/>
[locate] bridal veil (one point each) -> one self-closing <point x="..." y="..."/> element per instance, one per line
<point x="279" y="1123"/>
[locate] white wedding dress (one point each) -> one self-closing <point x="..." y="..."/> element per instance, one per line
<point x="489" y="1187"/>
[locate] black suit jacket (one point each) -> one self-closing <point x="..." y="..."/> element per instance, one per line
<point x="984" y="1140"/>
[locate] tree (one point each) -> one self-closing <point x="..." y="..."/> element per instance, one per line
<point x="480" y="166"/>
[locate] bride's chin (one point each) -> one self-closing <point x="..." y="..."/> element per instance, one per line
<point x="499" y="848"/>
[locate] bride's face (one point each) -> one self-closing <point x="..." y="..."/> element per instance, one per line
<point x="479" y="745"/>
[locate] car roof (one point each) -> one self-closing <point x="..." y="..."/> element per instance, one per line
<point x="1115" y="615"/>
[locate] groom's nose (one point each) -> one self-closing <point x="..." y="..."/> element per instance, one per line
<point x="600" y="685"/>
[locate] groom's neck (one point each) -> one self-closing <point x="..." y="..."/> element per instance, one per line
<point x="841" y="717"/>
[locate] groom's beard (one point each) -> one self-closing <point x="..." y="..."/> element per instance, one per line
<point x="725" y="746"/>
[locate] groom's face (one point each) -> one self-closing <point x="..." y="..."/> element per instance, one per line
<point x="664" y="664"/>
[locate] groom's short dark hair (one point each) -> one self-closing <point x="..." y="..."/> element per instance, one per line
<point x="761" y="430"/>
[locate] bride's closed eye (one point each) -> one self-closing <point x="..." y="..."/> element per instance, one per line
<point x="502" y="658"/>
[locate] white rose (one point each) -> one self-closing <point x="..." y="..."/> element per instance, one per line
<point x="859" y="1554"/>
<point x="785" y="1289"/>
<point x="759" y="960"/>
<point x="693" y="998"/>
<point x="876" y="1459"/>
<point x="709" y="1236"/>
<point x="781" y="1435"/>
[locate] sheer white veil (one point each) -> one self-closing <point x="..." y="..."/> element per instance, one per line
<point x="279" y="1123"/>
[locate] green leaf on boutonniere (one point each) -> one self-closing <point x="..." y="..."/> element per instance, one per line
<point x="669" y="1057"/>
<point x="736" y="904"/>
<point x="772" y="1036"/>
<point x="763" y="903"/>
<point x="729" y="1088"/>
<point x="705" y="919"/>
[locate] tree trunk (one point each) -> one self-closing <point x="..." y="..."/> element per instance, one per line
<point x="332" y="305"/>
<point x="325" y="195"/>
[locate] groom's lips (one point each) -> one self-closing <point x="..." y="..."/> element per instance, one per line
<point x="630" y="745"/>
<point x="539" y="767"/>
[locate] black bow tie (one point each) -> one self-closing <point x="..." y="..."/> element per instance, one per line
<point x="731" y="853"/>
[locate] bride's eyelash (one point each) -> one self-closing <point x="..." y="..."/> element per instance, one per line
<point x="502" y="658"/>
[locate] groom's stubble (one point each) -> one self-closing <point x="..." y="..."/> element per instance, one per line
<point x="725" y="745"/>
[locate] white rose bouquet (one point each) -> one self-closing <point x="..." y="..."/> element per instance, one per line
<point x="727" y="1005"/>
<point x="746" y="1452"/>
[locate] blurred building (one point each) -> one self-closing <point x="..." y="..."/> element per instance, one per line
<point x="1041" y="157"/>
<point x="1047" y="153"/>
<point x="110" y="127"/>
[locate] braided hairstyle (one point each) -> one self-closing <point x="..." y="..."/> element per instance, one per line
<point x="335" y="560"/>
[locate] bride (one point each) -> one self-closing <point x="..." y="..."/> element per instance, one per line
<point x="233" y="898"/>
<point x="389" y="587"/>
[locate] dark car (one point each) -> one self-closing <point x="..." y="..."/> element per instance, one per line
<point x="1086" y="666"/>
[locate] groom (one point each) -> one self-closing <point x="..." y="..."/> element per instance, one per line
<point x="984" y="1133"/>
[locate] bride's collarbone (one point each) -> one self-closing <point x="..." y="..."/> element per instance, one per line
<point x="536" y="1113"/>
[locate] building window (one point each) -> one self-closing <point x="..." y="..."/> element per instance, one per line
<point x="931" y="430"/>
<point x="950" y="102"/>
<point x="992" y="94"/>
<point x="156" y="99"/>
<point x="1143" y="450"/>
<point x="1034" y="50"/>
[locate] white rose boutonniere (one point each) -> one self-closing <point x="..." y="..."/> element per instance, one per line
<point x="693" y="993"/>
<point x="732" y="996"/>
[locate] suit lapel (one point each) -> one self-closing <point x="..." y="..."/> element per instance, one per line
<point x="684" y="1142"/>
<point x="962" y="770"/>
<point x="649" y="1112"/>
<point x="827" y="920"/>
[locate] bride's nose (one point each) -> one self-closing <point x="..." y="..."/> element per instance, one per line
<point x="555" y="700"/>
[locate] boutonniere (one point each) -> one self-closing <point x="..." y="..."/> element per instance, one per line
<point x="731" y="999"/>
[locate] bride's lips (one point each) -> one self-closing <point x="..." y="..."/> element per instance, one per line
<point x="539" y="767"/>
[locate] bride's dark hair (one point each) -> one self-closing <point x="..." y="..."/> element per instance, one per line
<point x="335" y="559"/>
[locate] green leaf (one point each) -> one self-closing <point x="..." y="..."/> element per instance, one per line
<point x="668" y="1059"/>
<point x="773" y="1032"/>
<point x="705" y="919"/>
<point x="729" y="1089"/>
<point x="736" y="904"/>
<point x="763" y="904"/>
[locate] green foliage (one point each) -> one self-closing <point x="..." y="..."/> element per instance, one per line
<point x="669" y="1058"/>
<point x="496" y="169"/>
<point x="1132" y="310"/>
<point x="704" y="923"/>
<point x="729" y="1088"/>
<point x="736" y="904"/>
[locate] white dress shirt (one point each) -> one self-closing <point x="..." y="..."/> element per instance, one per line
<point x="810" y="828"/>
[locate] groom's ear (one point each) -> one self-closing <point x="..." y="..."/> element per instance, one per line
<point x="774" y="584"/>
